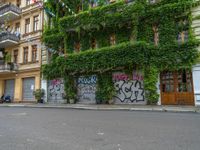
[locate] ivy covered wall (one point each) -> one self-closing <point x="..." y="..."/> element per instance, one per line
<point x="133" y="25"/>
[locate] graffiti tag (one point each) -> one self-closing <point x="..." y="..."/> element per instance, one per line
<point x="56" y="89"/>
<point x="129" y="91"/>
<point x="121" y="76"/>
<point x="86" y="89"/>
<point x="87" y="80"/>
<point x="137" y="76"/>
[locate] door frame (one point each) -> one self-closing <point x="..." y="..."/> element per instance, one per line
<point x="175" y="97"/>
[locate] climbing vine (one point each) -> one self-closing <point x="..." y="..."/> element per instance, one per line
<point x="132" y="24"/>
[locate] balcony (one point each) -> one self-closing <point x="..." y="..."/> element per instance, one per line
<point x="8" y="68"/>
<point x="9" y="12"/>
<point x="8" y="39"/>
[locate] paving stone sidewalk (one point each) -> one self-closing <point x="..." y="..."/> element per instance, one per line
<point x="107" y="107"/>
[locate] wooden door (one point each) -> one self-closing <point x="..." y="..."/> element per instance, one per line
<point x="167" y="88"/>
<point x="184" y="94"/>
<point x="177" y="88"/>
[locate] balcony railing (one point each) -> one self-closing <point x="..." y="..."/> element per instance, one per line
<point x="9" y="12"/>
<point x="8" y="39"/>
<point x="10" y="67"/>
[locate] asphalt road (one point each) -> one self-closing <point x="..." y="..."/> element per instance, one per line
<point x="66" y="129"/>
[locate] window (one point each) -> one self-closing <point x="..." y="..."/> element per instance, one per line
<point x="93" y="43"/>
<point x="153" y="1"/>
<point x="178" y="81"/>
<point x="27" y="25"/>
<point x="94" y="3"/>
<point x="25" y="55"/>
<point x="35" y="23"/>
<point x="156" y="34"/>
<point x="34" y="53"/>
<point x="184" y="81"/>
<point x="18" y="2"/>
<point x="183" y="37"/>
<point x="15" y="56"/>
<point x="77" y="47"/>
<point x="183" y="34"/>
<point x="17" y="27"/>
<point x="112" y="1"/>
<point x="167" y="81"/>
<point x="128" y="1"/>
<point x="28" y="2"/>
<point x="79" y="8"/>
<point x="112" y="39"/>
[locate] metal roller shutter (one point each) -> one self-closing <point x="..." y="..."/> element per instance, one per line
<point x="10" y="88"/>
<point x="28" y="88"/>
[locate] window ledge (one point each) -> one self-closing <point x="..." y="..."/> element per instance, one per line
<point x="28" y="63"/>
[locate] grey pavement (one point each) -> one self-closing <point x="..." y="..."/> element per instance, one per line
<point x="74" y="129"/>
<point x="176" y="108"/>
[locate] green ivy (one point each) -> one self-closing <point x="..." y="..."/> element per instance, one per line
<point x="132" y="24"/>
<point x="150" y="81"/>
<point x="105" y="89"/>
<point x="125" y="54"/>
<point x="70" y="89"/>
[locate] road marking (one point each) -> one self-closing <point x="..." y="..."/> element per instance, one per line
<point x="118" y="145"/>
<point x="29" y="140"/>
<point x="19" y="114"/>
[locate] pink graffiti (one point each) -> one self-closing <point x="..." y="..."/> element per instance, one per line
<point x="56" y="82"/>
<point x="119" y="77"/>
<point x="138" y="77"/>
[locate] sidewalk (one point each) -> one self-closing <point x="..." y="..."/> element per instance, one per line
<point x="107" y="107"/>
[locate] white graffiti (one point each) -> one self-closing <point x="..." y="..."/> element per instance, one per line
<point x="86" y="89"/>
<point x="56" y="89"/>
<point x="87" y="80"/>
<point x="129" y="91"/>
<point x="86" y="93"/>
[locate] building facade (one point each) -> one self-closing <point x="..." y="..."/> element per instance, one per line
<point x="104" y="54"/>
<point x="21" y="24"/>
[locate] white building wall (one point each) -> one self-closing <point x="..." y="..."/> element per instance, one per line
<point x="196" y="83"/>
<point x="44" y="86"/>
<point x="196" y="68"/>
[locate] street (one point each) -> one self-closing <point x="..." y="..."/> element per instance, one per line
<point x="68" y="129"/>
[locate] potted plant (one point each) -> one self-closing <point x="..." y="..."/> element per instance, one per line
<point x="39" y="94"/>
<point x="71" y="97"/>
<point x="7" y="58"/>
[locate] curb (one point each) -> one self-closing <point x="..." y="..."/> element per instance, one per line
<point x="106" y="108"/>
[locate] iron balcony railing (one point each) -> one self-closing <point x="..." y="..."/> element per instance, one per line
<point x="9" y="7"/>
<point x="8" y="67"/>
<point x="9" y="36"/>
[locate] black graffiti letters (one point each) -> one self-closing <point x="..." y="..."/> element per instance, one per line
<point x="129" y="91"/>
